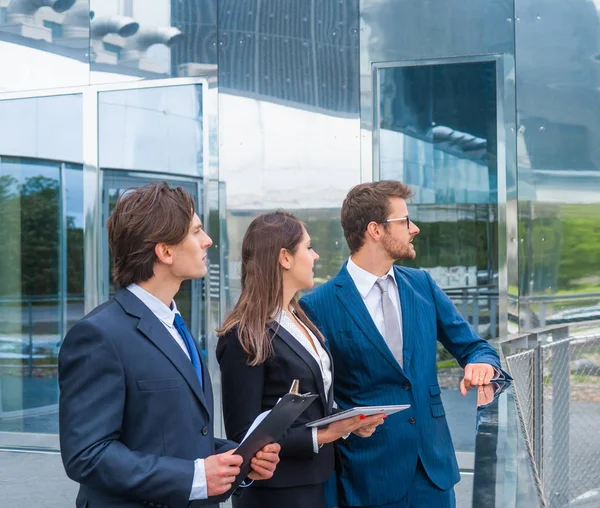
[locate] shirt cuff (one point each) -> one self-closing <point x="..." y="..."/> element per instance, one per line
<point x="315" y="440"/>
<point x="498" y="376"/>
<point x="199" y="486"/>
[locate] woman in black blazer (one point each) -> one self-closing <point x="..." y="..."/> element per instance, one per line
<point x="265" y="343"/>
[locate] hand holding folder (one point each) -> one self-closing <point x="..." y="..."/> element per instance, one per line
<point x="269" y="427"/>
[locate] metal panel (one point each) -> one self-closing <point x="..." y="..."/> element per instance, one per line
<point x="288" y="118"/>
<point x="557" y="76"/>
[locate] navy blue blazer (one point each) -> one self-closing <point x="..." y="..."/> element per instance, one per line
<point x="133" y="417"/>
<point x="379" y="470"/>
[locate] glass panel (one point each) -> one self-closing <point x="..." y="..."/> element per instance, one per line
<point x="44" y="44"/>
<point x="41" y="295"/>
<point x="152" y="129"/>
<point x="559" y="163"/>
<point x="438" y="134"/>
<point x="30" y="289"/>
<point x="137" y="39"/>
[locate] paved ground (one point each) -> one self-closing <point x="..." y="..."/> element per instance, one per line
<point x="34" y="480"/>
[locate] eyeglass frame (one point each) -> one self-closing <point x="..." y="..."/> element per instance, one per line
<point x="407" y="219"/>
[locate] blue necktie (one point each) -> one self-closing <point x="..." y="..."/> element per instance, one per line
<point x="190" y="345"/>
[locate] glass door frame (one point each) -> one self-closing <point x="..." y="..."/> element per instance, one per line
<point x="95" y="293"/>
<point x="506" y="147"/>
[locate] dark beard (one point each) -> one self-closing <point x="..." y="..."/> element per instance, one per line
<point x="406" y="254"/>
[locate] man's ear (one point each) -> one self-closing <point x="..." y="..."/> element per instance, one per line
<point x="164" y="253"/>
<point x="374" y="231"/>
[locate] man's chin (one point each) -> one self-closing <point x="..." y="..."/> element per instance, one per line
<point x="406" y="256"/>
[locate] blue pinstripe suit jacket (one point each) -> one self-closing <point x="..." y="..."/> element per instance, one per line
<point x="379" y="470"/>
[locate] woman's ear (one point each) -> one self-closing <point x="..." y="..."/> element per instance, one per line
<point x="285" y="259"/>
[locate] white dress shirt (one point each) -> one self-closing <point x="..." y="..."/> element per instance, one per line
<point x="166" y="316"/>
<point x="371" y="295"/>
<point x="320" y="356"/>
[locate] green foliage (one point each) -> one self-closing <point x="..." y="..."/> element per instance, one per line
<point x="30" y="226"/>
<point x="559" y="249"/>
<point x="580" y="252"/>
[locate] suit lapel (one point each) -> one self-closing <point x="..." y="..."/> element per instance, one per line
<point x="351" y="299"/>
<point x="407" y="308"/>
<point x="151" y="327"/>
<point x="301" y="351"/>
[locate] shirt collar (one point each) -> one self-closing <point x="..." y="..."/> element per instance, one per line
<point x="365" y="280"/>
<point x="158" y="308"/>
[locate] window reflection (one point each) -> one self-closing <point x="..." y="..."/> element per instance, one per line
<point x="41" y="295"/>
<point x="30" y="308"/>
<point x="140" y="39"/>
<point x="43" y="44"/>
<point x="437" y="133"/>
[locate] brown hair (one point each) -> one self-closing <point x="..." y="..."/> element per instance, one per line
<point x="143" y="217"/>
<point x="262" y="283"/>
<point x="368" y="202"/>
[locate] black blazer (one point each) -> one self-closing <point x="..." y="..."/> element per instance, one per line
<point x="248" y="391"/>
<point x="133" y="417"/>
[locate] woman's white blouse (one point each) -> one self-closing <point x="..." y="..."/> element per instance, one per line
<point x="320" y="355"/>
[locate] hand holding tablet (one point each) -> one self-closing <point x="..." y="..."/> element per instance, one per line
<point x="355" y="411"/>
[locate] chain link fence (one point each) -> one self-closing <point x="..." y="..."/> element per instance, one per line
<point x="557" y="385"/>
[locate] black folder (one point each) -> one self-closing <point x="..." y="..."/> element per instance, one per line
<point x="270" y="430"/>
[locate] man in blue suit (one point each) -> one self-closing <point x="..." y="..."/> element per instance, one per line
<point x="136" y="402"/>
<point x="382" y="323"/>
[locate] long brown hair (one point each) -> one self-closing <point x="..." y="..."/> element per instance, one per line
<point x="262" y="283"/>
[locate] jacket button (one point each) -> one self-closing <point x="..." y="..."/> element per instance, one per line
<point x="412" y="420"/>
<point x="407" y="386"/>
<point x="204" y="431"/>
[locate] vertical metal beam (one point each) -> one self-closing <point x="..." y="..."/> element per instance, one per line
<point x="92" y="244"/>
<point x="375" y="133"/>
<point x="62" y="254"/>
<point x="503" y="119"/>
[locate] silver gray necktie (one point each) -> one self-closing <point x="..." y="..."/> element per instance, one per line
<point x="392" y="320"/>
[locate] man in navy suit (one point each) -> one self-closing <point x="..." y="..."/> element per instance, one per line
<point x="382" y="323"/>
<point x="136" y="403"/>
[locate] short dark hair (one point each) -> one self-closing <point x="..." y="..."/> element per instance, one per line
<point x="368" y="202"/>
<point x="144" y="217"/>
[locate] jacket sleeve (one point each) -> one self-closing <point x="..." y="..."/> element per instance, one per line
<point x="224" y="445"/>
<point x="91" y="409"/>
<point x="242" y="390"/>
<point x="457" y="336"/>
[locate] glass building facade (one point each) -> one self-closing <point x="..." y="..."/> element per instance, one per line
<point x="487" y="108"/>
